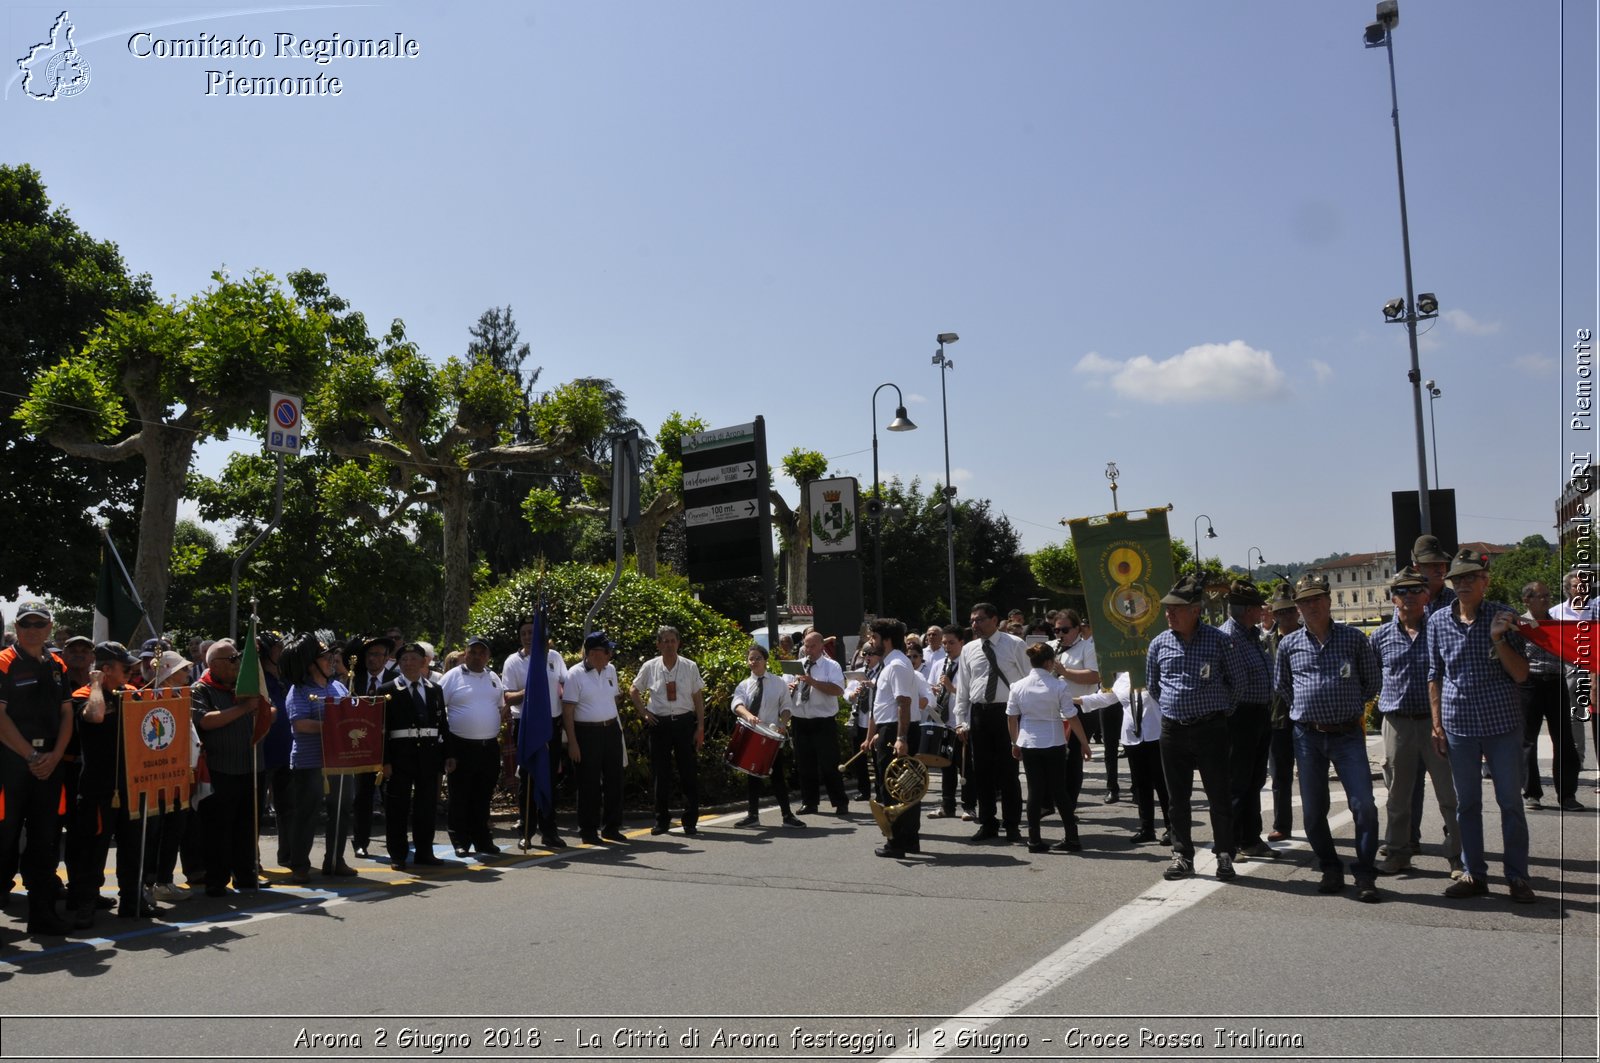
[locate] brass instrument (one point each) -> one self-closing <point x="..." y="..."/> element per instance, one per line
<point x="905" y="780"/>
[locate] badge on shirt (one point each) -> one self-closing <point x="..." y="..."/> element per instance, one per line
<point x="1344" y="669"/>
<point x="1205" y="670"/>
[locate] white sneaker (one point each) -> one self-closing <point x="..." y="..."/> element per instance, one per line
<point x="166" y="891"/>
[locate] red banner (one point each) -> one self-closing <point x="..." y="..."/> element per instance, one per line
<point x="1574" y="641"/>
<point x="156" y="741"/>
<point x="352" y="735"/>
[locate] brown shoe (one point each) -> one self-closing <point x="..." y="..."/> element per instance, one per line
<point x="1521" y="891"/>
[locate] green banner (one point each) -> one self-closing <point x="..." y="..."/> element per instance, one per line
<point x="1126" y="564"/>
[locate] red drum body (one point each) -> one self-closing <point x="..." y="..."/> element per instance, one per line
<point x="752" y="748"/>
<point x="936" y="744"/>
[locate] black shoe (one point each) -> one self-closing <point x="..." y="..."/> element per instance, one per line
<point x="1332" y="882"/>
<point x="1570" y="804"/>
<point x="660" y="828"/>
<point x="790" y="820"/>
<point x="985" y="833"/>
<point x="1014" y="835"/>
<point x="488" y="849"/>
<point x="216" y="891"/>
<point x="611" y="834"/>
<point x="841" y="810"/>
<point x="1225" y="871"/>
<point x="889" y="852"/>
<point x="1113" y="797"/>
<point x="1141" y="837"/>
<point x="1367" y="893"/>
<point x="397" y="865"/>
<point x="1038" y="847"/>
<point x="82" y="918"/>
<point x="427" y="860"/>
<point x="104" y="903"/>
<point x="146" y="911"/>
<point x="1067" y="845"/>
<point x="590" y="838"/>
<point x="1166" y="837"/>
<point x="342" y="871"/>
<point x="691" y="830"/>
<point x="361" y="851"/>
<point x="552" y="841"/>
<point x="751" y="820"/>
<point x="807" y="810"/>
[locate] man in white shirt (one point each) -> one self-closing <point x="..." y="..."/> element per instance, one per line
<point x="990" y="663"/>
<point x="814" y="726"/>
<point x="891" y="733"/>
<point x="475" y="707"/>
<point x="514" y="675"/>
<point x="932" y="653"/>
<point x="669" y="693"/>
<point x="594" y="740"/>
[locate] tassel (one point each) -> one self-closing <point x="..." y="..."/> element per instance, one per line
<point x="61" y="806"/>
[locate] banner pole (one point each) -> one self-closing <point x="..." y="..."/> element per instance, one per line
<point x="144" y="828"/>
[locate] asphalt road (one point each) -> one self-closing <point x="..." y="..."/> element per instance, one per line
<point x="785" y="944"/>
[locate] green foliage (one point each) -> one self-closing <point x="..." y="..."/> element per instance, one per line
<point x="1534" y="560"/>
<point x="576" y="409"/>
<point x="802" y="466"/>
<point x="57" y="284"/>
<point x="1056" y="567"/>
<point x="77" y="397"/>
<point x="544" y="509"/>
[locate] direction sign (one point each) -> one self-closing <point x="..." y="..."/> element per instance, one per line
<point x="720" y="514"/>
<point x="285" y="431"/>
<point x="721" y="474"/>
<point x="720" y="437"/>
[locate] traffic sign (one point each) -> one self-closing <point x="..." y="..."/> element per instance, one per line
<point x="285" y="430"/>
<point x="722" y="474"/>
<point x="720" y="514"/>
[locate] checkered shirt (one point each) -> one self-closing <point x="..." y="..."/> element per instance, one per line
<point x="1255" y="686"/>
<point x="1327" y="683"/>
<point x="1476" y="696"/>
<point x="1405" y="668"/>
<point x="1194" y="679"/>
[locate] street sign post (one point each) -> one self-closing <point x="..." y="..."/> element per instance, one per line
<point x="285" y="430"/>
<point x="726" y="508"/>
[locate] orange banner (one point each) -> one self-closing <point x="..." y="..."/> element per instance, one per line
<point x="352" y="735"/>
<point x="156" y="737"/>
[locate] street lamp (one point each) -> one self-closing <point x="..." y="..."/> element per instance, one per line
<point x="945" y="366"/>
<point x="901" y="423"/>
<point x="1249" y="569"/>
<point x="1211" y="533"/>
<point x="1433" y="425"/>
<point x="1380" y="34"/>
<point x="1112" y="474"/>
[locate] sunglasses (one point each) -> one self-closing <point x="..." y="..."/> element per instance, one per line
<point x="1408" y="592"/>
<point x="1065" y="630"/>
<point x="33" y="623"/>
<point x="236" y="658"/>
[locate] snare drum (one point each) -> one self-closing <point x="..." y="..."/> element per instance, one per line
<point x="752" y="748"/>
<point x="935" y="744"/>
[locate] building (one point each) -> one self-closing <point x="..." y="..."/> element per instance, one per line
<point x="1359" y="584"/>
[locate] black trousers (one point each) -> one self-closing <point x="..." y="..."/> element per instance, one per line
<point x="1545" y="705"/>
<point x="1111" y="730"/>
<point x="276" y="781"/>
<point x="1249" y="746"/>
<point x="951" y="778"/>
<point x="994" y="768"/>
<point x="413" y="797"/>
<point x="367" y="788"/>
<point x="905" y="833"/>
<point x="672" y="747"/>
<point x="816" y="760"/>
<point x="599" y="776"/>
<point x="227" y="827"/>
<point x="862" y="769"/>
<point x="1280" y="746"/>
<point x="97" y="824"/>
<point x="34" y="804"/>
<point x="1049" y="772"/>
<point x="779" y="784"/>
<point x="471" y="788"/>
<point x="1185" y="749"/>
<point x="1148" y="782"/>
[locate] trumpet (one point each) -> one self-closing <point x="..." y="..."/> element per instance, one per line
<point x="859" y="754"/>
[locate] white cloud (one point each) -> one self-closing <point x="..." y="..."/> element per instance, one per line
<point x="1323" y="370"/>
<point x="958" y="475"/>
<point x="1427" y="343"/>
<point x="912" y="398"/>
<point x="1536" y="364"/>
<point x="1094" y="362"/>
<point x="1462" y="321"/>
<point x="1209" y="372"/>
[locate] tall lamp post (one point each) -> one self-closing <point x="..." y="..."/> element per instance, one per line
<point x="1433" y="425"/>
<point x="1249" y="569"/>
<point x="901" y="423"/>
<point x="1211" y="533"/>
<point x="1413" y="308"/>
<point x="945" y="366"/>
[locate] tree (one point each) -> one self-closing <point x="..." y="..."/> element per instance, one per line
<point x="1532" y="559"/>
<point x="432" y="427"/>
<point x="794" y="523"/>
<point x="190" y="371"/>
<point x="57" y="285"/>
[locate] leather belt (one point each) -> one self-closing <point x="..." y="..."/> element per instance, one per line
<point x="416" y="732"/>
<point x="1209" y="717"/>
<point x="594" y="723"/>
<point x="1348" y="727"/>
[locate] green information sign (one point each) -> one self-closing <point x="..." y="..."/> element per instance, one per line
<point x="1126" y="564"/>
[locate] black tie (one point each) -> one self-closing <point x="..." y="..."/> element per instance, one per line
<point x="416" y="699"/>
<point x="805" y="688"/>
<point x="994" y="673"/>
<point x="1138" y="713"/>
<point x="755" y="702"/>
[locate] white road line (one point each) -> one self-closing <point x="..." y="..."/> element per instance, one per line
<point x="1149" y="910"/>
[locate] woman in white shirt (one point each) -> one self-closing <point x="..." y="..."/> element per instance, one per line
<point x="1141" y="745"/>
<point x="1041" y="715"/>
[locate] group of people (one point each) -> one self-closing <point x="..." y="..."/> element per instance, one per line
<point x="1277" y="687"/>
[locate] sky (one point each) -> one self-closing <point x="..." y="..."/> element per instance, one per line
<point x="1163" y="230"/>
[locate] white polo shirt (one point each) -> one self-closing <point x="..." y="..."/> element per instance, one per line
<point x="652" y="680"/>
<point x="593" y="693"/>
<point x="897" y="680"/>
<point x="472" y="703"/>
<point x="514" y="673"/>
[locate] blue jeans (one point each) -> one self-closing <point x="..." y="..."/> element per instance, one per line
<point x="1504" y="756"/>
<point x="1347" y="752"/>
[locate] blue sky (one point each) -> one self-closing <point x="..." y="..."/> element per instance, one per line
<point x="1163" y="230"/>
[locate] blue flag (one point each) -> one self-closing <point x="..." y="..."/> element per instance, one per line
<point x="533" y="735"/>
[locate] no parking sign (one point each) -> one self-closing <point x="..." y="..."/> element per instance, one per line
<point x="284" y="427"/>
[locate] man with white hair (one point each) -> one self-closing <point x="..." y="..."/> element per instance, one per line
<point x="226" y="725"/>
